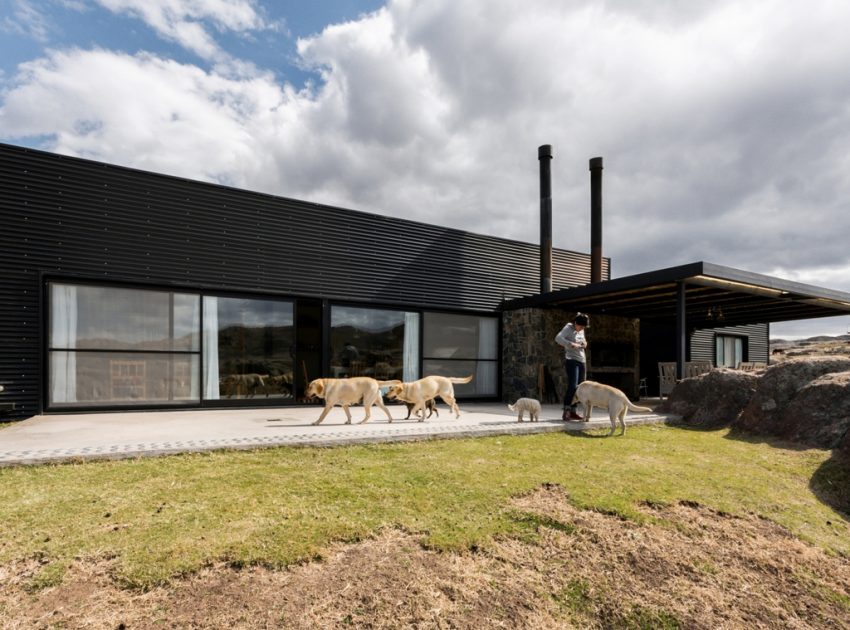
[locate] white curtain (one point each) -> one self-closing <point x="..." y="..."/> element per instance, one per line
<point x="730" y="351"/>
<point x="193" y="363"/>
<point x="488" y="348"/>
<point x="411" y="347"/>
<point x="63" y="334"/>
<point x="210" y="345"/>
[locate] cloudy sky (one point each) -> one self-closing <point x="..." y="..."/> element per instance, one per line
<point x="724" y="125"/>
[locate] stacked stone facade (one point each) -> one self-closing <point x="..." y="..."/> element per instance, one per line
<point x="529" y="353"/>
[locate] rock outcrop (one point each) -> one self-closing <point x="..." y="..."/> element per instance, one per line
<point x="806" y="401"/>
<point x="819" y="415"/>
<point x="711" y="400"/>
<point x="779" y="385"/>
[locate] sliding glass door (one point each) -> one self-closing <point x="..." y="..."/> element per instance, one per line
<point x="460" y="345"/>
<point x="249" y="347"/>
<point x="119" y="346"/>
<point x="380" y="343"/>
<point x="115" y="346"/>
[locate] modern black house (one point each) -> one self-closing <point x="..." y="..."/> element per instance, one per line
<point x="124" y="289"/>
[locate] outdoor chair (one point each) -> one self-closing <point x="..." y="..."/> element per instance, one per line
<point x="696" y="368"/>
<point x="666" y="378"/>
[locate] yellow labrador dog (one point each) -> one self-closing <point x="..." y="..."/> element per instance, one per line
<point x="348" y="391"/>
<point x="419" y="392"/>
<point x="591" y="394"/>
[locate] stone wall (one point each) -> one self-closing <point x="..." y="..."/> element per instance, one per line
<point x="614" y="352"/>
<point x="528" y="342"/>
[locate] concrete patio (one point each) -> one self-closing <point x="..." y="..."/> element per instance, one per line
<point x="63" y="437"/>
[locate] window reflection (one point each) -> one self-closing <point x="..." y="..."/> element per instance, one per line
<point x="460" y="345"/>
<point x="123" y="319"/>
<point x="383" y="344"/>
<point x="137" y="378"/>
<point x="122" y="346"/>
<point x="248" y="348"/>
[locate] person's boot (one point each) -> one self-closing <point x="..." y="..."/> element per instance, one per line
<point x="574" y="416"/>
<point x="566" y="415"/>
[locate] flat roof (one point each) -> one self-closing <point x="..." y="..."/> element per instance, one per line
<point x="715" y="296"/>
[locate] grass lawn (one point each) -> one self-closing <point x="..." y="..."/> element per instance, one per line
<point x="165" y="516"/>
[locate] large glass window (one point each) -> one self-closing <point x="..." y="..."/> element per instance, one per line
<point x="249" y="348"/>
<point x="122" y="346"/>
<point x="460" y="345"/>
<point x="729" y="351"/>
<point x="382" y="344"/>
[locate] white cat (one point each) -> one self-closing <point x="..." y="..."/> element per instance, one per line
<point x="530" y="405"/>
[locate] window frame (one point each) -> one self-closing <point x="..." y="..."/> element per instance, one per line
<point x="46" y="313"/>
<point x="744" y="341"/>
<point x="494" y="361"/>
<point x="49" y="349"/>
<point x="254" y="401"/>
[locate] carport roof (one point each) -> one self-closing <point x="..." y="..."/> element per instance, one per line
<point x="714" y="296"/>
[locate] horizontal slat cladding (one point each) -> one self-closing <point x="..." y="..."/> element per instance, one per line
<point x="19" y="338"/>
<point x="77" y="218"/>
<point x="87" y="218"/>
<point x="702" y="341"/>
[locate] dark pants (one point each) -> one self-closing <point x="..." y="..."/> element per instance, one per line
<point x="575" y="375"/>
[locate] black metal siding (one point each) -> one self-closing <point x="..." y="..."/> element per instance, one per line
<point x="703" y="342"/>
<point x="69" y="217"/>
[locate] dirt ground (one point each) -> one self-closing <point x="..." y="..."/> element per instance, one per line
<point x="688" y="566"/>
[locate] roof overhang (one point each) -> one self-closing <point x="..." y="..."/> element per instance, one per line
<point x="714" y="296"/>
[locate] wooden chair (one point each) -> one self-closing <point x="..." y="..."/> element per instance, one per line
<point x="666" y="378"/>
<point x="696" y="368"/>
<point x="751" y="366"/>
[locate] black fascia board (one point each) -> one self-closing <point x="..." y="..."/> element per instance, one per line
<point x="826" y="302"/>
<point x="638" y="281"/>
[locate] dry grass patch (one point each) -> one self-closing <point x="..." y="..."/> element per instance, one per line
<point x="653" y="530"/>
<point x="685" y="566"/>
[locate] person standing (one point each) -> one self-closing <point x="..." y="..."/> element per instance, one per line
<point x="572" y="339"/>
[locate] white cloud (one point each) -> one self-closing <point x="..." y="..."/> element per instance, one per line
<point x="173" y="118"/>
<point x="27" y="20"/>
<point x="723" y="125"/>
<point x="184" y="21"/>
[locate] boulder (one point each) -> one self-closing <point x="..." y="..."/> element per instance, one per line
<point x="713" y="399"/>
<point x="778" y="385"/>
<point x="819" y="415"/>
<point x="844" y="446"/>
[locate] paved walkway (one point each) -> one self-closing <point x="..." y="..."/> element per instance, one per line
<point x="57" y="437"/>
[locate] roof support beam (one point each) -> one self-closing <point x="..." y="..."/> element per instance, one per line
<point x="681" y="330"/>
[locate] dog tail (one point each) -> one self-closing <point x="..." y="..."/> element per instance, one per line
<point x="638" y="408"/>
<point x="386" y="383"/>
<point x="465" y="379"/>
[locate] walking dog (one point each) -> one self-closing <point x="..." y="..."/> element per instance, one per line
<point x="418" y="392"/>
<point x="591" y="394"/>
<point x="348" y="391"/>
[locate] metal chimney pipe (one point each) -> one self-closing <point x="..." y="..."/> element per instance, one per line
<point x="544" y="154"/>
<point x="595" y="219"/>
